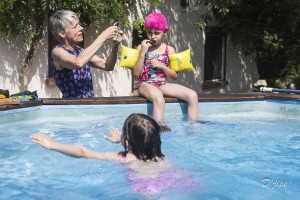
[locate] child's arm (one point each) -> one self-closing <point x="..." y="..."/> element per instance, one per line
<point x="72" y="150"/>
<point x="139" y="66"/>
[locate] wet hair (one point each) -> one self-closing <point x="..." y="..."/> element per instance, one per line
<point x="60" y="20"/>
<point x="143" y="136"/>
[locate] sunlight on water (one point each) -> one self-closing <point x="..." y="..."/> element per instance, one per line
<point x="237" y="154"/>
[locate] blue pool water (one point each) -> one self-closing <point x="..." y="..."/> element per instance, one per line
<point x="238" y="150"/>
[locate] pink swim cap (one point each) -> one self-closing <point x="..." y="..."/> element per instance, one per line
<point x="156" y="21"/>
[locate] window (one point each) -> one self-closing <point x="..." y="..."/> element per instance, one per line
<point x="214" y="58"/>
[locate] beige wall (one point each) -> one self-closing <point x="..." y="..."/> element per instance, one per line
<point x="11" y="55"/>
<point x="241" y="71"/>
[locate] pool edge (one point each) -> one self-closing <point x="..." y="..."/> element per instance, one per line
<point x="251" y="96"/>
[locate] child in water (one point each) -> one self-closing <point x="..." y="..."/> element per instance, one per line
<point x="148" y="173"/>
<point x="140" y="138"/>
<point x="152" y="69"/>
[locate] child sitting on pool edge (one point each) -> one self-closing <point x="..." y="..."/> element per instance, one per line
<point x="142" y="152"/>
<point x="152" y="69"/>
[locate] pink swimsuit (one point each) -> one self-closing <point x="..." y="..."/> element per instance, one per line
<point x="154" y="76"/>
<point x="176" y="179"/>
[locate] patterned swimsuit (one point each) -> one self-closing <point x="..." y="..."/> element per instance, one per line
<point x="74" y="83"/>
<point x="154" y="76"/>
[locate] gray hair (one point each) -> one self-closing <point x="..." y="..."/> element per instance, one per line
<point x="60" y="20"/>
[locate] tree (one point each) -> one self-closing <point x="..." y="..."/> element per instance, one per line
<point x="269" y="28"/>
<point x="26" y="19"/>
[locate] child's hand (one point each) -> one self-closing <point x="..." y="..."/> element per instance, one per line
<point x="115" y="135"/>
<point x="157" y="64"/>
<point x="145" y="45"/>
<point x="43" y="140"/>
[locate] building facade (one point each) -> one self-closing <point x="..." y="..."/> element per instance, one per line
<point x="219" y="66"/>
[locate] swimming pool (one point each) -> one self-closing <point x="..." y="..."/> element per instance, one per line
<point x="238" y="150"/>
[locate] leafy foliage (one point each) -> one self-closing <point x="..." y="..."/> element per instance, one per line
<point x="139" y="26"/>
<point x="18" y="17"/>
<point x="290" y="77"/>
<point x="268" y="28"/>
<point x="26" y="19"/>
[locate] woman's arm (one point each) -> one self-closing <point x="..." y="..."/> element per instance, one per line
<point x="109" y="63"/>
<point x="72" y="150"/>
<point x="63" y="59"/>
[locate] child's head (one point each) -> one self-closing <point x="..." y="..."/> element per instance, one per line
<point x="142" y="136"/>
<point x="156" y="21"/>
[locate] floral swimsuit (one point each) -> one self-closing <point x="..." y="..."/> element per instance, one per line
<point x="154" y="76"/>
<point x="73" y="83"/>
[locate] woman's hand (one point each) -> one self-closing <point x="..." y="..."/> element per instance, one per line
<point x="43" y="140"/>
<point x="119" y="37"/>
<point x="110" y="33"/>
<point x="115" y="135"/>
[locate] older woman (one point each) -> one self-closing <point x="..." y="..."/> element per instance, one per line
<point x="70" y="62"/>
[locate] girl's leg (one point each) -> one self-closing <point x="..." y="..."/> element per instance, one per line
<point x="154" y="94"/>
<point x="183" y="93"/>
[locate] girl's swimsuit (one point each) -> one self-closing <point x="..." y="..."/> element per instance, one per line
<point x="74" y="83"/>
<point x="166" y="180"/>
<point x="172" y="179"/>
<point x="151" y="75"/>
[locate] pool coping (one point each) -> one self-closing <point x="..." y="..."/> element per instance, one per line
<point x="251" y="96"/>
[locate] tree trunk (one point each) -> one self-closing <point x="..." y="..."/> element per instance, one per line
<point x="34" y="46"/>
<point x="25" y="70"/>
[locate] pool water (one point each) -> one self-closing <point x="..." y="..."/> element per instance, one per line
<point x="238" y="150"/>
